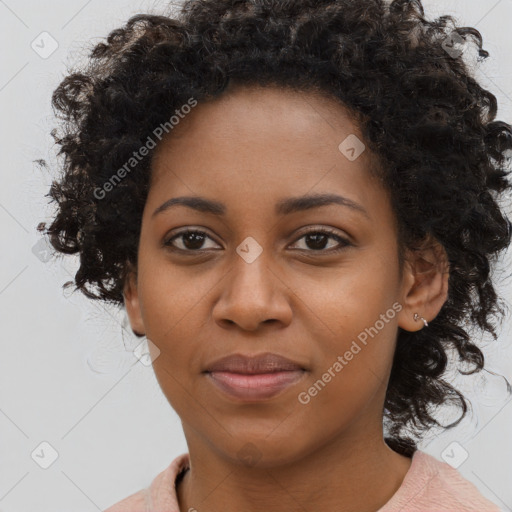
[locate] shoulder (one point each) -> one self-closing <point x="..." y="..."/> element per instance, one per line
<point x="434" y="485"/>
<point x="134" y="503"/>
<point x="160" y="496"/>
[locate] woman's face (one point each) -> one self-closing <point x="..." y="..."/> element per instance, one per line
<point x="255" y="282"/>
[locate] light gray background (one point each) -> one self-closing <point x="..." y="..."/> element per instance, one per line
<point x="67" y="373"/>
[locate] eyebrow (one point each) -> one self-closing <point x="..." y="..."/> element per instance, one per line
<point x="283" y="207"/>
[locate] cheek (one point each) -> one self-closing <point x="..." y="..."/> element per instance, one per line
<point x="169" y="308"/>
<point x="173" y="323"/>
<point x="349" y="381"/>
<point x="169" y="296"/>
<point x="352" y="316"/>
<point x="343" y="302"/>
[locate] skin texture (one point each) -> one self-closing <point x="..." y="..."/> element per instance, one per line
<point x="249" y="149"/>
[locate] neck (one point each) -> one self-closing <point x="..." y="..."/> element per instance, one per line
<point x="344" y="475"/>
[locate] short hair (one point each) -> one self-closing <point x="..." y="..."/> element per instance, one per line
<point x="442" y="154"/>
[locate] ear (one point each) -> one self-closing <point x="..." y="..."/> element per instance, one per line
<point x="131" y="301"/>
<point x="425" y="284"/>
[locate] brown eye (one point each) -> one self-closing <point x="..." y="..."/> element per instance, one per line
<point x="317" y="240"/>
<point x="191" y="240"/>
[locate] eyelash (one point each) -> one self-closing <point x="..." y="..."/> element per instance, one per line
<point x="325" y="231"/>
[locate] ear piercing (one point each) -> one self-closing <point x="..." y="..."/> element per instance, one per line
<point x="417" y="317"/>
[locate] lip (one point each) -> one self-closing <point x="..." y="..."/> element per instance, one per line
<point x="250" y="365"/>
<point x="254" y="378"/>
<point x="255" y="387"/>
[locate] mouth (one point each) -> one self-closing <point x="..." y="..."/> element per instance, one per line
<point x="257" y="386"/>
<point x="247" y="378"/>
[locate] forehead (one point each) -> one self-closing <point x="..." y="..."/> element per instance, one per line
<point x="245" y="109"/>
<point x="266" y="142"/>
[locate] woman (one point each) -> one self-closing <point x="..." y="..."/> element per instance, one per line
<point x="297" y="203"/>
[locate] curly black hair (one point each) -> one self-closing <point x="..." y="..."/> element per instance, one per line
<point x="442" y="155"/>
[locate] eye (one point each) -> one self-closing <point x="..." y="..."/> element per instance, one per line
<point x="191" y="240"/>
<point x="316" y="240"/>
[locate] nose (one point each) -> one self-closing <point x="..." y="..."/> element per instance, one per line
<point x="253" y="294"/>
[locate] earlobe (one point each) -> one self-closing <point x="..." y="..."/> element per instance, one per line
<point x="425" y="285"/>
<point x="132" y="304"/>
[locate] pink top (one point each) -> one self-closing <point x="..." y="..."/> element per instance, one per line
<point x="429" y="485"/>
